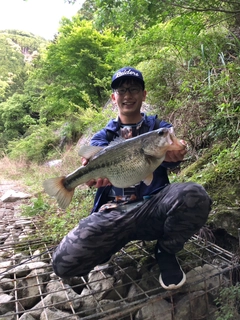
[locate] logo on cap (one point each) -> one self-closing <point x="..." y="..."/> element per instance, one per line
<point x="127" y="72"/>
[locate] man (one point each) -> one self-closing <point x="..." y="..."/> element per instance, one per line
<point x="168" y="213"/>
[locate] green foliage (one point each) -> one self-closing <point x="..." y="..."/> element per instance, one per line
<point x="176" y="54"/>
<point x="14" y="118"/>
<point x="96" y="119"/>
<point x="11" y="58"/>
<point x="125" y="17"/>
<point x="14" y="47"/>
<point x="228" y="303"/>
<point x="55" y="223"/>
<point x="26" y="40"/>
<point x="189" y="76"/>
<point x="217" y="169"/>
<point x="3" y="88"/>
<point x="16" y="115"/>
<point x="88" y="9"/>
<point x="129" y="17"/>
<point x="83" y="201"/>
<point x="75" y="68"/>
<point x="34" y="147"/>
<point x="38" y="206"/>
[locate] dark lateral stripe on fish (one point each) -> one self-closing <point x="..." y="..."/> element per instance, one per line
<point x="96" y="167"/>
<point x="86" y="171"/>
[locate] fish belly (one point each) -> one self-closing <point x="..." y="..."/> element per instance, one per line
<point x="125" y="175"/>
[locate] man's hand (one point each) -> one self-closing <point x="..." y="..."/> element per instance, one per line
<point x="176" y="155"/>
<point x="100" y="182"/>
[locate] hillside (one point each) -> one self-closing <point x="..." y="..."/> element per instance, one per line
<point x="17" y="50"/>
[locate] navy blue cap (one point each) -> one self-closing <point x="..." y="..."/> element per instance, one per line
<point x="127" y="72"/>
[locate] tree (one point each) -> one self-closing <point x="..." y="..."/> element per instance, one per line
<point x="75" y="67"/>
<point x="88" y="10"/>
<point x="15" y="117"/>
<point x="126" y="17"/>
<point x="17" y="50"/>
<point x="11" y="58"/>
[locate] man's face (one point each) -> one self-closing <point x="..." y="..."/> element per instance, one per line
<point x="129" y="97"/>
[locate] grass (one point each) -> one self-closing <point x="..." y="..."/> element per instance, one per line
<point x="218" y="171"/>
<point x="54" y="222"/>
<point x="228" y="303"/>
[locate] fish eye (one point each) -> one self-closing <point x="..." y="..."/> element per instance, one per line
<point x="161" y="133"/>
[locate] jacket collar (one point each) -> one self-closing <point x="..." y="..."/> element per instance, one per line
<point x="114" y="124"/>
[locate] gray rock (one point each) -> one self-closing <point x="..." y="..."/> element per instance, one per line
<point x="100" y="284"/>
<point x="4" y="265"/>
<point x="6" y="284"/>
<point x="27" y="316"/>
<point x="53" y="313"/>
<point x="127" y="275"/>
<point x="54" y="163"/>
<point x="228" y="218"/>
<point x="193" y="306"/>
<point x="8" y="316"/>
<point x="28" y="289"/>
<point x="108" y="305"/>
<point x="5" y="303"/>
<point x="149" y="283"/>
<point x="20" y="271"/>
<point x="207" y="277"/>
<point x="135" y="293"/>
<point x="12" y="196"/>
<point x="54" y="286"/>
<point x="59" y="300"/>
<point x="88" y="302"/>
<point x="159" y="309"/>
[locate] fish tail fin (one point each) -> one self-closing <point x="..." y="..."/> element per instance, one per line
<point x="54" y="187"/>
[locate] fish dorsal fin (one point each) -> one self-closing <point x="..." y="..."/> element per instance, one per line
<point x="116" y="141"/>
<point x="148" y="179"/>
<point x="89" y="151"/>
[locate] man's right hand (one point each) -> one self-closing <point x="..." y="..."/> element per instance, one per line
<point x="100" y="182"/>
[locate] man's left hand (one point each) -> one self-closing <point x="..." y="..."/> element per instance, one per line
<point x="176" y="155"/>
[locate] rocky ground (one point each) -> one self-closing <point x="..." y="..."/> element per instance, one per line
<point x="127" y="288"/>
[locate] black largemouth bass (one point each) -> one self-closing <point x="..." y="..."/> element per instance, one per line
<point x="123" y="162"/>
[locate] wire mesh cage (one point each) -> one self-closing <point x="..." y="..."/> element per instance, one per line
<point x="125" y="288"/>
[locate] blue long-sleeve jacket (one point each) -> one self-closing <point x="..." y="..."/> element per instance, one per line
<point x="160" y="176"/>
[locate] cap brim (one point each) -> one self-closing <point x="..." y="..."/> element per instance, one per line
<point x="115" y="83"/>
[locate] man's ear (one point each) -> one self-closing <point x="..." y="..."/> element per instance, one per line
<point x="144" y="95"/>
<point x="113" y="97"/>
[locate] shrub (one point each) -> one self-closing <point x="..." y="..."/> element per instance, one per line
<point x="34" y="147"/>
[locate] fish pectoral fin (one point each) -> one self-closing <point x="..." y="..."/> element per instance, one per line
<point x="148" y="179"/>
<point x="55" y="188"/>
<point x="89" y="151"/>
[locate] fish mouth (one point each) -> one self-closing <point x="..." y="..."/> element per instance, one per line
<point x="170" y="138"/>
<point x="179" y="144"/>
